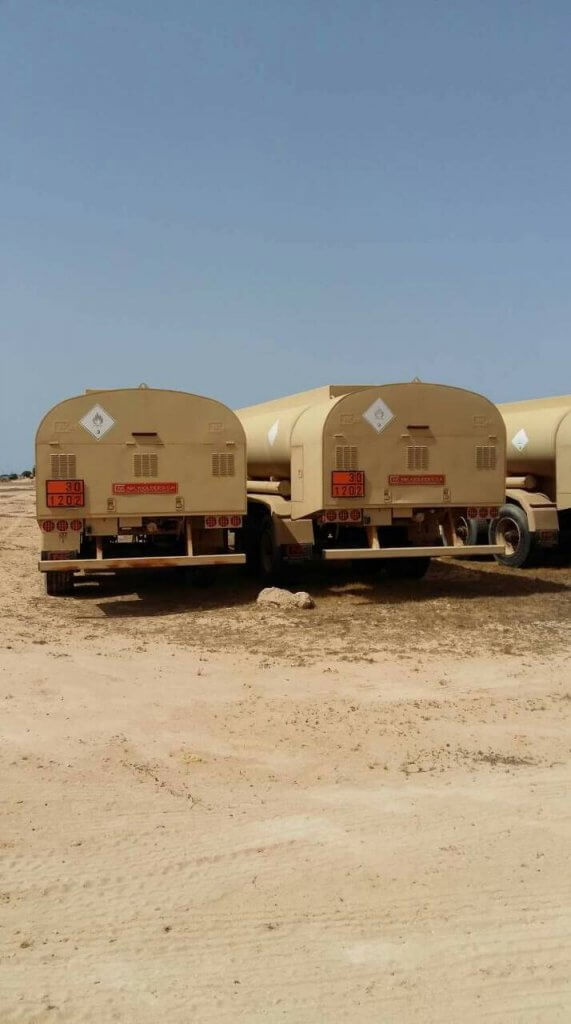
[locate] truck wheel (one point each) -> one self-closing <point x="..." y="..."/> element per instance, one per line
<point x="407" y="568"/>
<point x="59" y="584"/>
<point x="511" y="528"/>
<point x="469" y="530"/>
<point x="269" y="556"/>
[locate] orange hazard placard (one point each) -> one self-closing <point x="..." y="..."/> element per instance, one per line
<point x="65" y="493"/>
<point x="424" y="480"/>
<point x="146" y="488"/>
<point x="348" y="483"/>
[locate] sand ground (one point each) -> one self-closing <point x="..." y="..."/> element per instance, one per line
<point x="214" y="812"/>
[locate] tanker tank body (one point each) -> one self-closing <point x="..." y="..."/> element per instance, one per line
<point x="536" y="513"/>
<point x="138" y="478"/>
<point x="382" y="473"/>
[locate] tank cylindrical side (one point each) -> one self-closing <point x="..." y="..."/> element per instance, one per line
<point x="268" y="442"/>
<point x="531" y="428"/>
<point x="268" y="427"/>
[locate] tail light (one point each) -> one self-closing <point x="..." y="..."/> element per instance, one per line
<point x="482" y="513"/>
<point x="48" y="526"/>
<point x="342" y="515"/>
<point x="76" y="524"/>
<point x="62" y="525"/>
<point x="222" y="522"/>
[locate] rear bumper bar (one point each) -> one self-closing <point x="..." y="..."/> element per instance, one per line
<point x="461" y="551"/>
<point x="166" y="562"/>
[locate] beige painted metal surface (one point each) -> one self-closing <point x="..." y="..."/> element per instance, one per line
<point x="269" y="427"/>
<point x="143" y="461"/>
<point x="539" y="443"/>
<point x="419" y="445"/>
<point x="156" y="437"/>
<point x="169" y="561"/>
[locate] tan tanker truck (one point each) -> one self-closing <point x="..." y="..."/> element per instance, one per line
<point x="536" y="513"/>
<point x="392" y="472"/>
<point x="138" y="478"/>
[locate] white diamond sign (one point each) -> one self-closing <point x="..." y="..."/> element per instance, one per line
<point x="273" y="432"/>
<point x="520" y="440"/>
<point x="379" y="415"/>
<point x="97" y="422"/>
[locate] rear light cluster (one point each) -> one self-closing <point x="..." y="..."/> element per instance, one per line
<point x="482" y="513"/>
<point x="343" y="515"/>
<point x="61" y="525"/>
<point x="222" y="522"/>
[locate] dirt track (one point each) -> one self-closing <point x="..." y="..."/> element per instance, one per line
<point x="213" y="812"/>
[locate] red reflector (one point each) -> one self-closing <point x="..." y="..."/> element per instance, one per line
<point x="295" y="550"/>
<point x="355" y="515"/>
<point x="76" y="524"/>
<point x="235" y="520"/>
<point x="223" y="521"/>
<point x="48" y="525"/>
<point x="62" y="525"/>
<point x="343" y="516"/>
<point x="472" y="513"/>
<point x="492" y="512"/>
<point x="331" y="517"/>
<point x="210" y="522"/>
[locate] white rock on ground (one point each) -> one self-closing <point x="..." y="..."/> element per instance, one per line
<point x="284" y="598"/>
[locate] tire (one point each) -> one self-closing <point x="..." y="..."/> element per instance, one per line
<point x="407" y="568"/>
<point x="270" y="564"/>
<point x="511" y="528"/>
<point x="59" y="584"/>
<point x="470" y="530"/>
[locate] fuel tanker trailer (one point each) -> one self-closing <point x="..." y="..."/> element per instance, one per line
<point x="138" y="478"/>
<point x="389" y="473"/>
<point x="536" y="512"/>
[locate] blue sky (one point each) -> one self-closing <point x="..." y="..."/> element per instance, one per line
<point x="244" y="198"/>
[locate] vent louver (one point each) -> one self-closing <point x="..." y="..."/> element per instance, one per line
<point x="63" y="467"/>
<point x="346" y="457"/>
<point x="485" y="456"/>
<point x="146" y="465"/>
<point x="223" y="464"/>
<point x="417" y="457"/>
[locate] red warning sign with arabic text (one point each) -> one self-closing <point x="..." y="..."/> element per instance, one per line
<point x="424" y="480"/>
<point x="149" y="487"/>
